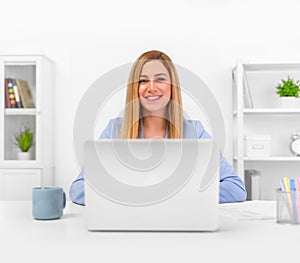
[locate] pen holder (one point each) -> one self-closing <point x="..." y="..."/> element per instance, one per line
<point x="288" y="207"/>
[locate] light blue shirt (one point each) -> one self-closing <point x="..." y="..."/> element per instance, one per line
<point x="232" y="188"/>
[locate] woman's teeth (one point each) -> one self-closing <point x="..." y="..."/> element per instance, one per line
<point x="153" y="97"/>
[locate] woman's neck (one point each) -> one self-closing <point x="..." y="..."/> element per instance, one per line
<point x="154" y="126"/>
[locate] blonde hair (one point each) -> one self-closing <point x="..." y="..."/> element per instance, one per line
<point x="132" y="117"/>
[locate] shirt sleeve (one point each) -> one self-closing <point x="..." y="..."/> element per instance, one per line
<point x="232" y="188"/>
<point x="76" y="190"/>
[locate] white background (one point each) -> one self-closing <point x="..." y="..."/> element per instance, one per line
<point x="87" y="38"/>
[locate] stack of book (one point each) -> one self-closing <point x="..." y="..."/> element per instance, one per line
<point x="17" y="94"/>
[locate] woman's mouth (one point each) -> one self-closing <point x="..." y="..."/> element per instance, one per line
<point x="153" y="98"/>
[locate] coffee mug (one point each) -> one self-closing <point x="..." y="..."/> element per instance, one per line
<point x="48" y="202"/>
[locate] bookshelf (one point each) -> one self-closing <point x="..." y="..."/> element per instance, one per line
<point x="17" y="177"/>
<point x="257" y="111"/>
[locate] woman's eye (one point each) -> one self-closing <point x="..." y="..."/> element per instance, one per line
<point x="161" y="79"/>
<point x="143" y="80"/>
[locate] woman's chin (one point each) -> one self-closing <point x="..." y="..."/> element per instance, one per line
<point x="154" y="112"/>
<point x="155" y="106"/>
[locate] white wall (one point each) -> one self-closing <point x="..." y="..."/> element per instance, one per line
<point x="86" y="40"/>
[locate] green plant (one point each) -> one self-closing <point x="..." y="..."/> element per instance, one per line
<point x="288" y="88"/>
<point x="24" y="139"/>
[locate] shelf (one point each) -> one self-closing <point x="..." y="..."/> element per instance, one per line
<point x="32" y="74"/>
<point x="20" y="63"/>
<point x="269" y="111"/>
<point x="272" y="67"/>
<point x="256" y="83"/>
<point x="21" y="111"/>
<point x="16" y="164"/>
<point x="272" y="159"/>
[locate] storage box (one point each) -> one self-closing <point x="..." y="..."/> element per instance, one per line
<point x="258" y="146"/>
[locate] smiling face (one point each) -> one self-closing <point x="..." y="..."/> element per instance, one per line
<point x="154" y="88"/>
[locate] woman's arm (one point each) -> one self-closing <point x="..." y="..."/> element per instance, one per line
<point x="76" y="190"/>
<point x="232" y="188"/>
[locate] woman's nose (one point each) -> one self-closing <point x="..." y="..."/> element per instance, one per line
<point x="152" y="85"/>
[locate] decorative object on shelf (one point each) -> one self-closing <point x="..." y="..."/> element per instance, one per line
<point x="295" y="143"/>
<point x="288" y="102"/>
<point x="258" y="146"/>
<point x="24" y="156"/>
<point x="24" y="140"/>
<point x="288" y="90"/>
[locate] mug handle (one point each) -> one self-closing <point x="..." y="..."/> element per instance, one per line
<point x="64" y="199"/>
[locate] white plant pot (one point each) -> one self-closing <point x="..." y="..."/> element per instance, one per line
<point x="288" y="102"/>
<point x="24" y="156"/>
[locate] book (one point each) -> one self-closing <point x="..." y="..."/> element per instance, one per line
<point x="11" y="94"/>
<point x="25" y="94"/>
<point x="16" y="91"/>
<point x="7" y="101"/>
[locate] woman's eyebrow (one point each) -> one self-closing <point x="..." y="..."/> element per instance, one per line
<point x="158" y="74"/>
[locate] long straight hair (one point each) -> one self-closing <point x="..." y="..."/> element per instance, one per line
<point x="132" y="117"/>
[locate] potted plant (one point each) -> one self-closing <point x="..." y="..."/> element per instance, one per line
<point x="24" y="140"/>
<point x="288" y="90"/>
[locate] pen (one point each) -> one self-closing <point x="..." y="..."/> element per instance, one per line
<point x="297" y="185"/>
<point x="293" y="193"/>
<point x="284" y="195"/>
<point x="286" y="185"/>
<point x="282" y="185"/>
<point x="286" y="182"/>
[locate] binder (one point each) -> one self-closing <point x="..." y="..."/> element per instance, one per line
<point x="252" y="184"/>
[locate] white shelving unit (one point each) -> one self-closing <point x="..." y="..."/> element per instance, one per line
<point x="265" y="117"/>
<point x="17" y="177"/>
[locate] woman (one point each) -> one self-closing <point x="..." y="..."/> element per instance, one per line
<point x="154" y="109"/>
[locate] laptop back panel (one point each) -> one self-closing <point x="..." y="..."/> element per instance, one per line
<point x="151" y="185"/>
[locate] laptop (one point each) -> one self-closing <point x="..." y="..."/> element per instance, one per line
<point x="151" y="185"/>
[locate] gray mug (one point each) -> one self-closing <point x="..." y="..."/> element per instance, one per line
<point x="48" y="202"/>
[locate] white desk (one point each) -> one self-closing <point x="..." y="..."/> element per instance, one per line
<point x="24" y="239"/>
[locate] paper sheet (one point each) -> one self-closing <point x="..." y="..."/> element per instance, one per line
<point x="249" y="210"/>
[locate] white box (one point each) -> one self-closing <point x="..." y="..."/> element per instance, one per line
<point x="258" y="146"/>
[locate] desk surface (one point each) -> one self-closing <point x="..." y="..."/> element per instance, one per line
<point x="247" y="240"/>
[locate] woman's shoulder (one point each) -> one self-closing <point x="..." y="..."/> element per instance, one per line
<point x="192" y="122"/>
<point x="112" y="128"/>
<point x="116" y="121"/>
<point x="192" y="128"/>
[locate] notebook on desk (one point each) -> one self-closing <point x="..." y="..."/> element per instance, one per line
<point x="151" y="185"/>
